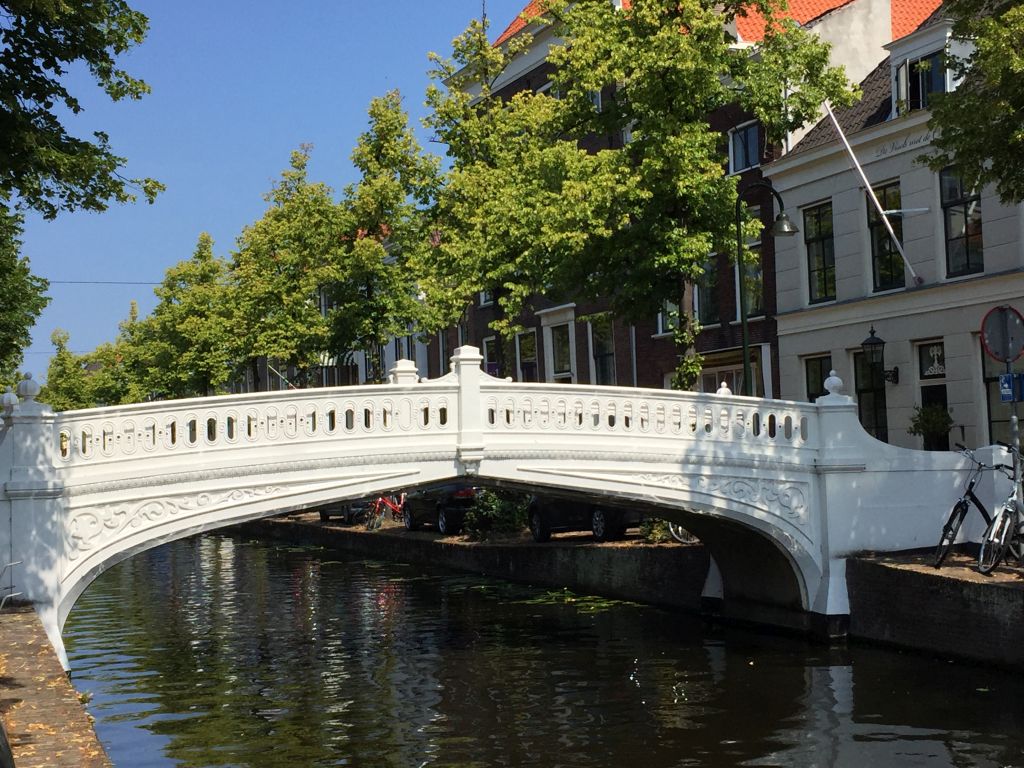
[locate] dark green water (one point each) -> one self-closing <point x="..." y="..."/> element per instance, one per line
<point x="219" y="651"/>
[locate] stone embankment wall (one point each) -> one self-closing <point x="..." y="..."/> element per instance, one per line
<point x="45" y="722"/>
<point x="668" y="575"/>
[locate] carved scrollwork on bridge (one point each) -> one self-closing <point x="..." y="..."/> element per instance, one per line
<point x="89" y="529"/>
<point x="784" y="499"/>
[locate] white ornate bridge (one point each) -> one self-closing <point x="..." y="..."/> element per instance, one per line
<point x="781" y="492"/>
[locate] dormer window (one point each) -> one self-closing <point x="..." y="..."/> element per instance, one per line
<point x="917" y="79"/>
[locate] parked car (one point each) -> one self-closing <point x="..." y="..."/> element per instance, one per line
<point x="442" y="506"/>
<point x="350" y="512"/>
<point x="549" y="514"/>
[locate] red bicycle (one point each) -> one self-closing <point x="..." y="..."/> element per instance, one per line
<point x="375" y="515"/>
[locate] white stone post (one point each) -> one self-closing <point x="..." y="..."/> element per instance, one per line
<point x="404" y="373"/>
<point x="466" y="364"/>
<point x="35" y="534"/>
<point x="842" y="453"/>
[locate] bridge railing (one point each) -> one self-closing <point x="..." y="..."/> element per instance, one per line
<point x="595" y="412"/>
<point x="95" y="436"/>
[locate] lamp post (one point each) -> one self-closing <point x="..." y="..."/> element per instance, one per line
<point x="874" y="352"/>
<point x="782" y="227"/>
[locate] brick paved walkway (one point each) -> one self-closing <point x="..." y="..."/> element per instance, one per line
<point x="45" y="722"/>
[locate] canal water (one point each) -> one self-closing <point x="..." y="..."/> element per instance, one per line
<point x="222" y="651"/>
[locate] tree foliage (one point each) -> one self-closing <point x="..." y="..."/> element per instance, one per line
<point x="374" y="293"/>
<point x="42" y="166"/>
<point x="187" y="341"/>
<point x="524" y="209"/>
<point x="979" y="124"/>
<point x="22" y="296"/>
<point x="283" y="262"/>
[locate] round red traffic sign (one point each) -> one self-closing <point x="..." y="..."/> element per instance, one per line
<point x="1002" y="333"/>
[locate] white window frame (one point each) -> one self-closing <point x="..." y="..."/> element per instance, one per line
<point x="486" y="298"/>
<point x="662" y="327"/>
<point x="484" y="343"/>
<point x="550" y="318"/>
<point x="757" y="150"/>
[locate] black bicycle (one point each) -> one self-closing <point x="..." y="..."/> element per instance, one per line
<point x="962" y="506"/>
<point x="1005" y="532"/>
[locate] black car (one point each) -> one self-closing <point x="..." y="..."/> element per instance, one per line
<point x="350" y="512"/>
<point x="442" y="506"/>
<point x="549" y="514"/>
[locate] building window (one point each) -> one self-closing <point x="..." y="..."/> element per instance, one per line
<point x="931" y="370"/>
<point x="595" y="99"/>
<point x="821" y="256"/>
<point x="668" y="318"/>
<point x="816" y="370"/>
<point x="886" y="262"/>
<point x="754" y="283"/>
<point x="706" y="294"/>
<point x="917" y="79"/>
<point x="870" y="389"/>
<point x="602" y="347"/>
<point x="486" y="298"/>
<point x="961" y="210"/>
<point x="744" y="148"/>
<point x="491" y="355"/>
<point x="561" y="353"/>
<point x="526" y="355"/>
<point x="443" y="353"/>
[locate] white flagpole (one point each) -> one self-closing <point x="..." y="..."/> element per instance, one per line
<point x="918" y="280"/>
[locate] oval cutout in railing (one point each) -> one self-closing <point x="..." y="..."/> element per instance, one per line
<point x="149" y="436"/>
<point x="367" y="418"/>
<point x="171" y="433"/>
<point x="350" y="419"/>
<point x="803" y="429"/>
<point x="443" y="415"/>
<point x="230" y="423"/>
<point x="193" y="431"/>
<point x="755" y="427"/>
<point x="64" y="443"/>
<point x="332" y="421"/>
<point x="211" y="430"/>
<point x="771" y="425"/>
<point x="86" y="443"/>
<point x="787" y="427"/>
<point x="310" y="422"/>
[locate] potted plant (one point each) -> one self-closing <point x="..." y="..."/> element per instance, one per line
<point x="932" y="422"/>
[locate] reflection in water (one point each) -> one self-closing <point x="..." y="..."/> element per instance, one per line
<point x="217" y="651"/>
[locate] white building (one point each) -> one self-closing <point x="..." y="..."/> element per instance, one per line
<point x="842" y="276"/>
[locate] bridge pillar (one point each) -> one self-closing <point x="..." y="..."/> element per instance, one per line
<point x="842" y="458"/>
<point x="466" y="364"/>
<point x="33" y="530"/>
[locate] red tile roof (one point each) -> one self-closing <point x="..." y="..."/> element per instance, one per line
<point x="531" y="11"/>
<point x="906" y="16"/>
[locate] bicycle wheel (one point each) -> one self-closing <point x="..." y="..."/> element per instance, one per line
<point x="950" y="530"/>
<point x="995" y="540"/>
<point x="375" y="516"/>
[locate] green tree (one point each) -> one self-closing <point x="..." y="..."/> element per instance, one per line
<point x="282" y="264"/>
<point x="22" y="296"/>
<point x="374" y="294"/>
<point x="42" y="166"/>
<point x="525" y="209"/>
<point x="187" y="340"/>
<point x="979" y="124"/>
<point x="66" y="387"/>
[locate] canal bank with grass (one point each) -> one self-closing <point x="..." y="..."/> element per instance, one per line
<point x="897" y="599"/>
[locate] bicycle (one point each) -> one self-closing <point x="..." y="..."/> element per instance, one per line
<point x="963" y="505"/>
<point x="375" y="515"/>
<point x="1003" y="533"/>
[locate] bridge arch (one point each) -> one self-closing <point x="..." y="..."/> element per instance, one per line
<point x="781" y="491"/>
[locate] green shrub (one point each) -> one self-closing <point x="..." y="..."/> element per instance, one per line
<point x="655" y="530"/>
<point x="496" y="512"/>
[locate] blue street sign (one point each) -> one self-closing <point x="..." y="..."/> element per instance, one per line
<point x="1007" y="390"/>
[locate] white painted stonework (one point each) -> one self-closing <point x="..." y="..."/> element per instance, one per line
<point x="83" y="490"/>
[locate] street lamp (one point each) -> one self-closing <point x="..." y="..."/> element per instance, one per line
<point x="874" y="352"/>
<point x="782" y="227"/>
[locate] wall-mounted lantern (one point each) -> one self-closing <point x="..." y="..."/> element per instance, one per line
<point x="874" y="352"/>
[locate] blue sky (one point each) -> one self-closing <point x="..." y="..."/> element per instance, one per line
<point x="237" y="85"/>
